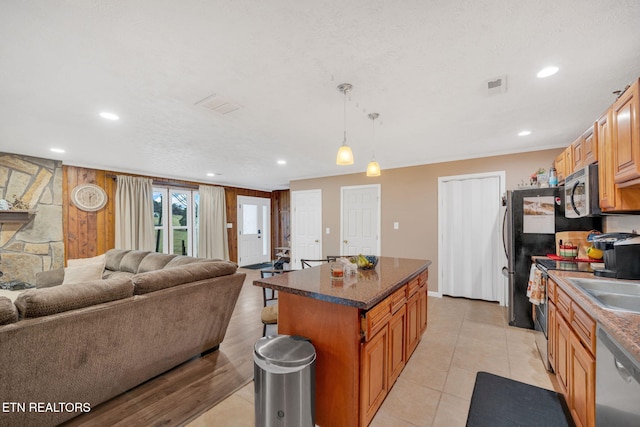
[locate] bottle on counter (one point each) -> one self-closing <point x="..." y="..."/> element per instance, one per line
<point x="553" y="177"/>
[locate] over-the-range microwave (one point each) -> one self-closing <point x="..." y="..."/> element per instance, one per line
<point x="581" y="196"/>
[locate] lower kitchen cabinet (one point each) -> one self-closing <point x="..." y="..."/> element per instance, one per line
<point x="551" y="338"/>
<point x="397" y="353"/>
<point x="374" y="384"/>
<point x="563" y="334"/>
<point x="582" y="384"/>
<point x="571" y="353"/>
<point x="413" y="324"/>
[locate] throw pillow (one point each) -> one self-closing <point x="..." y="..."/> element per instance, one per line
<point x="82" y="273"/>
<point x="100" y="259"/>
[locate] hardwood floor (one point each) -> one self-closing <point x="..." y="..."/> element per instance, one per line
<point x="182" y="394"/>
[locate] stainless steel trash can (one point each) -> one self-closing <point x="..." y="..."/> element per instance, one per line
<point x="285" y="381"/>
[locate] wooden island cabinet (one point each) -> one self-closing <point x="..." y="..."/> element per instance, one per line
<point x="364" y="329"/>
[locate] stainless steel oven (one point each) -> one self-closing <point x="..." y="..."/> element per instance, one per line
<point x="540" y="321"/>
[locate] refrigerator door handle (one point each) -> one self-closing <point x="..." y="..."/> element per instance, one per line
<point x="504" y="233"/>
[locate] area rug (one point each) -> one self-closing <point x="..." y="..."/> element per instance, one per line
<point x="258" y="266"/>
<point x="502" y="402"/>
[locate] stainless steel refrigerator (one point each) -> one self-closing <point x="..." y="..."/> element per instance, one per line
<point x="532" y="218"/>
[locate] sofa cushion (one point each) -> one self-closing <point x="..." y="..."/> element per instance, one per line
<point x="82" y="273"/>
<point x="8" y="312"/>
<point x="131" y="261"/>
<point x="184" y="260"/>
<point x="173" y="276"/>
<point x="47" y="301"/>
<point x="113" y="257"/>
<point x="154" y="261"/>
<point x="117" y="274"/>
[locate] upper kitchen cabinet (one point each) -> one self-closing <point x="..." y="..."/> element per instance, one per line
<point x="584" y="150"/>
<point x="606" y="186"/>
<point x="564" y="163"/>
<point x="625" y="137"/>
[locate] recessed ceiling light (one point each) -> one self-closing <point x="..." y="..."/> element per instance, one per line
<point x="57" y="150"/>
<point x="109" y="116"/>
<point x="211" y="174"/>
<point x="546" y="72"/>
<point x="282" y="162"/>
<point x="524" y="133"/>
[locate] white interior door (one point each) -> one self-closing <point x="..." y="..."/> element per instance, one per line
<point x="254" y="230"/>
<point x="306" y="226"/>
<point x="360" y="220"/>
<point x="469" y="247"/>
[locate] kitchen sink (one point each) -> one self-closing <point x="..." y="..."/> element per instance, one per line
<point x="611" y="294"/>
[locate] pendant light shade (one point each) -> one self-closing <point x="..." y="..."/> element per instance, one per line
<point x="345" y="155"/>
<point x="373" y="169"/>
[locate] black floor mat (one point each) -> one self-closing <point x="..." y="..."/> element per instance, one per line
<point x="502" y="402"/>
<point x="258" y="266"/>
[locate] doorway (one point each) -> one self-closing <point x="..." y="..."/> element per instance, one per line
<point x="306" y="226"/>
<point x="469" y="229"/>
<point x="360" y="220"/>
<point x="254" y="230"/>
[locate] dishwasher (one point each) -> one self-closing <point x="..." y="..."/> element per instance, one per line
<point x="617" y="384"/>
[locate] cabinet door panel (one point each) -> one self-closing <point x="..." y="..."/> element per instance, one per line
<point x="563" y="334"/>
<point x="551" y="330"/>
<point x="413" y="325"/>
<point x="374" y="385"/>
<point x="397" y="332"/>
<point x="581" y="384"/>
<point x="624" y="134"/>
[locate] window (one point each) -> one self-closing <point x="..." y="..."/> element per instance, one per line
<point x="175" y="215"/>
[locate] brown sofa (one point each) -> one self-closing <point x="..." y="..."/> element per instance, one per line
<point x="65" y="348"/>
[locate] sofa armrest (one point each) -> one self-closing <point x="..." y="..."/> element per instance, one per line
<point x="47" y="279"/>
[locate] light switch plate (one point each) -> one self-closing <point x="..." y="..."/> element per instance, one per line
<point x="229" y="225"/>
<point x="327" y="231"/>
<point x="396" y="225"/>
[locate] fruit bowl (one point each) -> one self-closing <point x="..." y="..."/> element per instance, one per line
<point x="365" y="262"/>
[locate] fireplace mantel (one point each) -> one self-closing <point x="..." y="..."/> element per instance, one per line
<point x="16" y="215"/>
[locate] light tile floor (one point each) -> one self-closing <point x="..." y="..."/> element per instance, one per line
<point x="434" y="389"/>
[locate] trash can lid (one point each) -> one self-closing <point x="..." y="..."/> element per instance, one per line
<point x="285" y="350"/>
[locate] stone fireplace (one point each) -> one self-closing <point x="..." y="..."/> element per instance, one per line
<point x="36" y="244"/>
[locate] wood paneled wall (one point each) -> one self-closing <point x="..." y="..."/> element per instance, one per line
<point x="89" y="234"/>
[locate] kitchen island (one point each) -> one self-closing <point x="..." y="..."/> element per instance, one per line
<point x="364" y="328"/>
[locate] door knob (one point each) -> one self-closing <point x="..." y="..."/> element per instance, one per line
<point x="345" y="241"/>
<point x="316" y="240"/>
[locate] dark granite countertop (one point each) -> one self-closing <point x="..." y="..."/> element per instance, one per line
<point x="621" y="325"/>
<point x="363" y="290"/>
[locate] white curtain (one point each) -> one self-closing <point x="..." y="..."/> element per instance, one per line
<point x="134" y="213"/>
<point x="212" y="239"/>
<point x="469" y="216"/>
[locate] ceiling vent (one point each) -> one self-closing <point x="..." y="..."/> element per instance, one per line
<point x="497" y="85"/>
<point x="218" y="104"/>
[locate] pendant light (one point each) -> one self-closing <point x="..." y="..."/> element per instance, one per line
<point x="373" y="169"/>
<point x="345" y="155"/>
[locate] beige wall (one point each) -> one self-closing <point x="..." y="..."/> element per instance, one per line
<point x="410" y="197"/>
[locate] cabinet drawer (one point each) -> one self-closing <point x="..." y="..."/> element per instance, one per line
<point x="424" y="278"/>
<point x="413" y="286"/>
<point x="398" y="299"/>
<point x="563" y="303"/>
<point x="377" y="318"/>
<point x="584" y="327"/>
<point x="551" y="291"/>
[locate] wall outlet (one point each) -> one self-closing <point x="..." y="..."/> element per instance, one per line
<point x="229" y="225"/>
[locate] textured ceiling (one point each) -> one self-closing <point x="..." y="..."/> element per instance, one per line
<point x="423" y="65"/>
